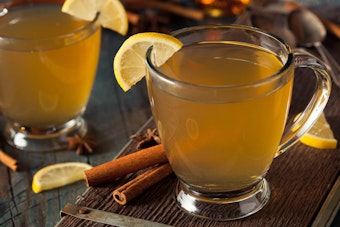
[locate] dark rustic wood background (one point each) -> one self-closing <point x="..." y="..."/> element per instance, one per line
<point x="300" y="179"/>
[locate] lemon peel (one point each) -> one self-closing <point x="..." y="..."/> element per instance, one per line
<point x="112" y="14"/>
<point x="58" y="175"/>
<point x="320" y="135"/>
<point x="129" y="62"/>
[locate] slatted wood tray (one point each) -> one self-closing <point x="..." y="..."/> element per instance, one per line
<point x="304" y="187"/>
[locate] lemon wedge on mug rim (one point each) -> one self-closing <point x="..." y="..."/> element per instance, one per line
<point x="58" y="175"/>
<point x="129" y="62"/>
<point x="112" y="14"/>
<point x="320" y="135"/>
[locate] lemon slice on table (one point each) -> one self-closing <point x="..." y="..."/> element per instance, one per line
<point x="57" y="175"/>
<point x="112" y="14"/>
<point x="129" y="62"/>
<point x="320" y="135"/>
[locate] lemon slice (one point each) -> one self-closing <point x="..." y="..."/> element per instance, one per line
<point x="112" y="14"/>
<point x="57" y="175"/>
<point x="129" y="65"/>
<point x="320" y="135"/>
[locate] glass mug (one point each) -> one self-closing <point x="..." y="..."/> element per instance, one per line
<point x="220" y="105"/>
<point x="48" y="63"/>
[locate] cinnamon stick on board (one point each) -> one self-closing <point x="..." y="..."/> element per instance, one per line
<point x="138" y="185"/>
<point x="8" y="161"/>
<point x="108" y="171"/>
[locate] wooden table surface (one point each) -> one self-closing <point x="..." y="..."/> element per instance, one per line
<point x="113" y="116"/>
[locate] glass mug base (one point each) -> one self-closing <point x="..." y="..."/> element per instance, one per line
<point x="46" y="139"/>
<point x="223" y="207"/>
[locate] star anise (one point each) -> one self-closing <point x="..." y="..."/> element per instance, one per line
<point x="148" y="139"/>
<point x="82" y="145"/>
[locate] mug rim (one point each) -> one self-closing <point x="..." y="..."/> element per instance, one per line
<point x="270" y="78"/>
<point x="67" y="35"/>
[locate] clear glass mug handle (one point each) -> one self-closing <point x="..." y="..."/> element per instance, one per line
<point x="315" y="106"/>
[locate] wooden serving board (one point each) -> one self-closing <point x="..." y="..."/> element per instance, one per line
<point x="304" y="185"/>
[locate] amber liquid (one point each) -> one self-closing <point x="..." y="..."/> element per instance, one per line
<point x="43" y="87"/>
<point x="221" y="146"/>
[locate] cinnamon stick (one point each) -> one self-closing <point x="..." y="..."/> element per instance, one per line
<point x="108" y="171"/>
<point x="138" y="185"/>
<point x="8" y="161"/>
